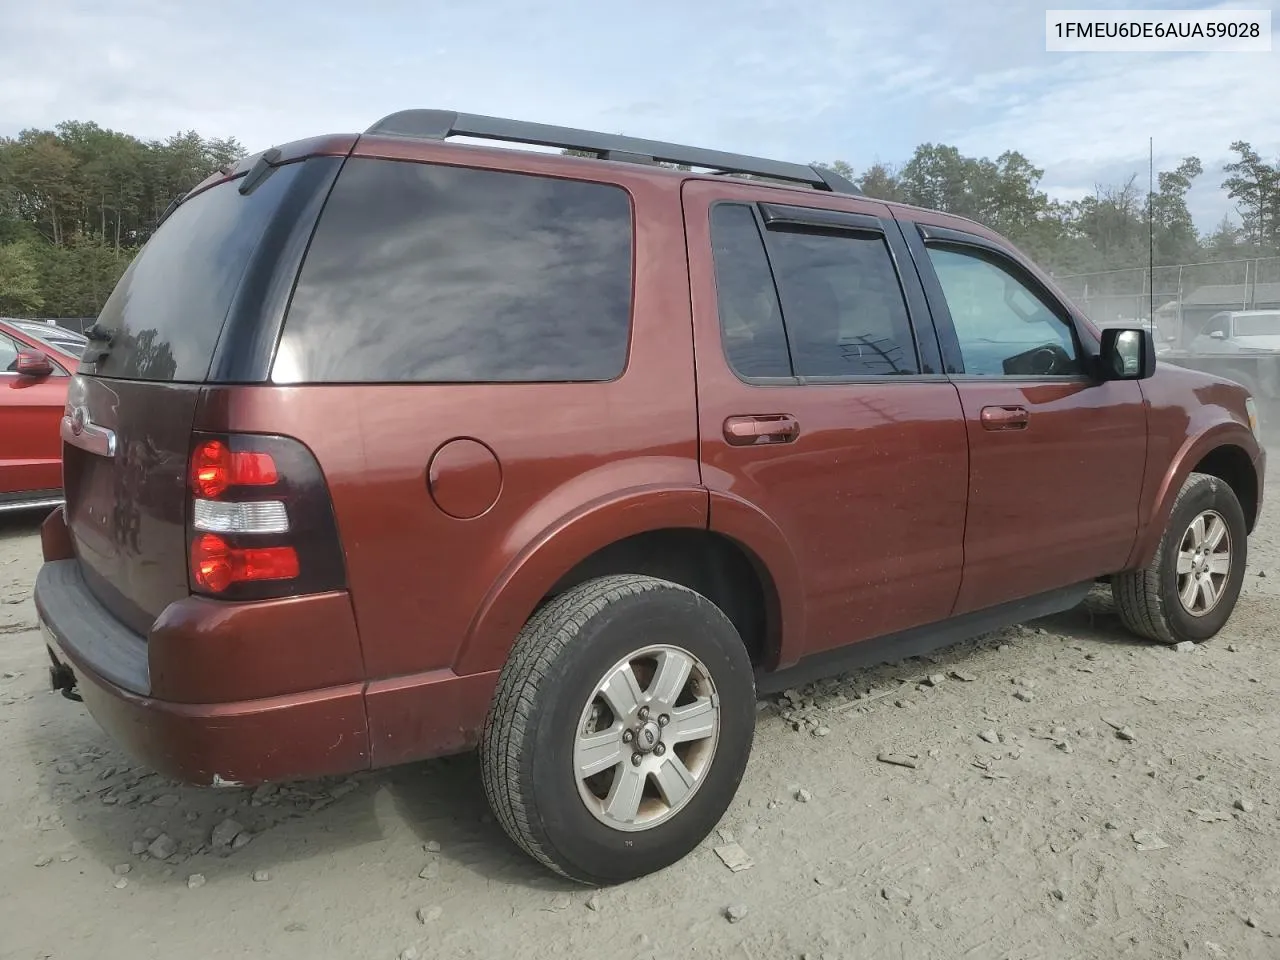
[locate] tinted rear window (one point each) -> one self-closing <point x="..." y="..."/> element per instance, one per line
<point x="843" y="305"/>
<point x="750" y="316"/>
<point x="427" y="273"/>
<point x="168" y="308"/>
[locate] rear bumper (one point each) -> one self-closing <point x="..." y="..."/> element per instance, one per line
<point x="309" y="733"/>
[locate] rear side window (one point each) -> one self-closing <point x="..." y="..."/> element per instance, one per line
<point x="167" y="311"/>
<point x="427" y="273"/>
<point x="750" y="317"/>
<point x="843" y="305"/>
<point x="1257" y="325"/>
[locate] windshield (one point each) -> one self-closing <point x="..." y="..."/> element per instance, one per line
<point x="1258" y="325"/>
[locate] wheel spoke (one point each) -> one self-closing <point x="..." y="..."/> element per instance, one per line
<point x="1209" y="592"/>
<point x="624" y="798"/>
<point x="1220" y="563"/>
<point x="697" y="721"/>
<point x="670" y="677"/>
<point x="1189" y="592"/>
<point x="1186" y="560"/>
<point x="1217" y="530"/>
<point x="1197" y="530"/>
<point x="622" y="692"/>
<point x="597" y="752"/>
<point x="674" y="780"/>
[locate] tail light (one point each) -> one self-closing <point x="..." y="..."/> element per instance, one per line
<point x="260" y="522"/>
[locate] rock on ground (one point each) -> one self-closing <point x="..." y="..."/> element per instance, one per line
<point x="980" y="836"/>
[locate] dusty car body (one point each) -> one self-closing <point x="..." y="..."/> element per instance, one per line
<point x="433" y="446"/>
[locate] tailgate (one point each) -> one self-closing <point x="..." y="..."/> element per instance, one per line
<point x="126" y="509"/>
<point x="131" y="407"/>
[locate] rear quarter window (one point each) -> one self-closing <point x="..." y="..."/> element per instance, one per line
<point x="426" y="273"/>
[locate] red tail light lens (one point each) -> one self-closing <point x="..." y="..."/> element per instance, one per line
<point x="260" y="521"/>
<point x="215" y="468"/>
<point x="216" y="565"/>
<point x="211" y="469"/>
<point x="252" y="468"/>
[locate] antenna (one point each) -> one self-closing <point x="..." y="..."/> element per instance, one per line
<point x="1151" y="235"/>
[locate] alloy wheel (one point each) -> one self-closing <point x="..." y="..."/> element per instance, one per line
<point x="646" y="738"/>
<point x="1204" y="563"/>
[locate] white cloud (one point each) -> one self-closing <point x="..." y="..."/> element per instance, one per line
<point x="1189" y="103"/>
<point x="825" y="80"/>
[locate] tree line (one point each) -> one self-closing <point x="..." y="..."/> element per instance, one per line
<point x="78" y="201"/>
<point x="1105" y="231"/>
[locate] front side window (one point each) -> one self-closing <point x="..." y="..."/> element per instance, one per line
<point x="1004" y="328"/>
<point x="843" y="305"/>
<point x="423" y="273"/>
<point x="1219" y="324"/>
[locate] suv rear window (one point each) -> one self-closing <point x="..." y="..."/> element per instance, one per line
<point x="427" y="273"/>
<point x="168" y="309"/>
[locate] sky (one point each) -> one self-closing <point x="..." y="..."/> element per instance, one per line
<point x="804" y="80"/>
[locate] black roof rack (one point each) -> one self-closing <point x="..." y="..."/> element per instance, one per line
<point x="441" y="124"/>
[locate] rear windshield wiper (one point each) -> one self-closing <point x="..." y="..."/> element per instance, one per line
<point x="173" y="205"/>
<point x="99" y="344"/>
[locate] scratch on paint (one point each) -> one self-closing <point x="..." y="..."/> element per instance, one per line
<point x="220" y="781"/>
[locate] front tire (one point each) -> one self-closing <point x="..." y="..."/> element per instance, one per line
<point x="1190" y="588"/>
<point x="621" y="728"/>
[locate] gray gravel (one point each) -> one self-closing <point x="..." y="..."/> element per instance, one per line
<point x="1163" y="845"/>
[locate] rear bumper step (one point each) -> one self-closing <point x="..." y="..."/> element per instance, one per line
<point x="312" y="733"/>
<point x="82" y="627"/>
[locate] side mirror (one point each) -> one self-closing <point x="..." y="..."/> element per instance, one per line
<point x="1218" y="335"/>
<point x="1126" y="354"/>
<point x="34" y="364"/>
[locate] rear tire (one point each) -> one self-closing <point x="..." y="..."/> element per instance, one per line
<point x="620" y="730"/>
<point x="1190" y="588"/>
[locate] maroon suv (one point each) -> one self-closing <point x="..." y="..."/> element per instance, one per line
<point x="387" y="447"/>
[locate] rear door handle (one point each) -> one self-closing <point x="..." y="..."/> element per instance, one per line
<point x="747" y="431"/>
<point x="1005" y="418"/>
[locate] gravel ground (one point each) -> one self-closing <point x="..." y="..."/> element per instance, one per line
<point x="1069" y="792"/>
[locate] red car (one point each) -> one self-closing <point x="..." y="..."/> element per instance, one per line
<point x="34" y="374"/>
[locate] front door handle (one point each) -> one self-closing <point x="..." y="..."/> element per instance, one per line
<point x="1005" y="418"/>
<point x="747" y="431"/>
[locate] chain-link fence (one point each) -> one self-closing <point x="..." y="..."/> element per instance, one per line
<point x="1185" y="295"/>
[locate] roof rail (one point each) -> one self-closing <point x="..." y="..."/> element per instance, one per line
<point x="441" y="124"/>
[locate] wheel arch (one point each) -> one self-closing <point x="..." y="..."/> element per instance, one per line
<point x="1228" y="451"/>
<point x="707" y="562"/>
<point x="718" y="545"/>
<point x="559" y="546"/>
